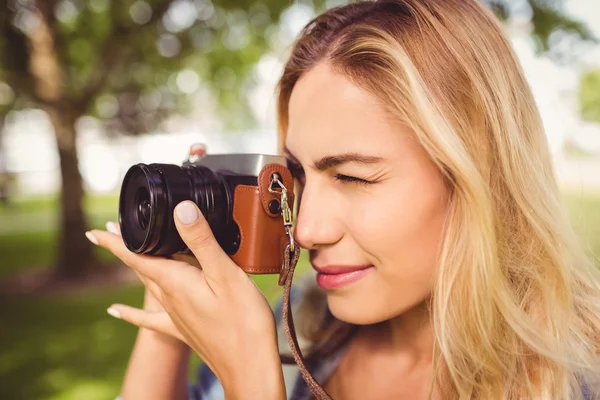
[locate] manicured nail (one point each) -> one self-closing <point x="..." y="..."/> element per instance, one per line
<point x="91" y="237"/>
<point x="114" y="312"/>
<point x="112" y="228"/>
<point x="186" y="212"/>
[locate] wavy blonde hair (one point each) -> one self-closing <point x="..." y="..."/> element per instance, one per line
<point x="516" y="302"/>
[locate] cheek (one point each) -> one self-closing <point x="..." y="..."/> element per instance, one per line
<point x="403" y="228"/>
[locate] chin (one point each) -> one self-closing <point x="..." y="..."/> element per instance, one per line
<point x="354" y="312"/>
<point x="369" y="309"/>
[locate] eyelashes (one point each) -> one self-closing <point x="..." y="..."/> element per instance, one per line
<point x="352" y="179"/>
<point x="298" y="173"/>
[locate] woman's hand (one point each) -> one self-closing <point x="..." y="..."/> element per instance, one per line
<point x="150" y="302"/>
<point x="217" y="310"/>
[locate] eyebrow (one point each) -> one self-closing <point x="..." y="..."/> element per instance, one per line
<point x="336" y="160"/>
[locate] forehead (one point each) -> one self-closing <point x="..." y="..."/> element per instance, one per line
<point x="328" y="112"/>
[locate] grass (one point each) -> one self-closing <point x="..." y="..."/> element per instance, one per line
<point x="584" y="209"/>
<point x="65" y="347"/>
<point x="28" y="230"/>
<point x="33" y="250"/>
<point x="107" y="203"/>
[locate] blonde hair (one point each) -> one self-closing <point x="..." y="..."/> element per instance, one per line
<point x="515" y="306"/>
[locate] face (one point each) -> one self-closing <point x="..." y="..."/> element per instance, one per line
<point x="372" y="203"/>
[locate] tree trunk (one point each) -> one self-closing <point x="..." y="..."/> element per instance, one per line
<point x="75" y="257"/>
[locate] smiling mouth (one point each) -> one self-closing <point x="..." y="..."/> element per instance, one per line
<point x="337" y="276"/>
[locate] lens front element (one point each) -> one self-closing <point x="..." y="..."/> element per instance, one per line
<point x="144" y="208"/>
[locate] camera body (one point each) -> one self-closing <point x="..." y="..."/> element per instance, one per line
<point x="231" y="190"/>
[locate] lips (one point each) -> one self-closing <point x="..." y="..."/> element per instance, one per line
<point x="340" y="269"/>
<point x="337" y="276"/>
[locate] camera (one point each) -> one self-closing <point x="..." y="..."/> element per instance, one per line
<point x="236" y="194"/>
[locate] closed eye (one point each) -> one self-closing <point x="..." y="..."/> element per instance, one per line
<point x="352" y="179"/>
<point x="298" y="173"/>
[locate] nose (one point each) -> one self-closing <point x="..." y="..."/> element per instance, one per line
<point x="318" y="223"/>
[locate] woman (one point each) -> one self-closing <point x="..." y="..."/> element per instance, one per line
<point x="431" y="213"/>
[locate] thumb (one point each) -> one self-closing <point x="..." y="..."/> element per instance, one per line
<point x="197" y="235"/>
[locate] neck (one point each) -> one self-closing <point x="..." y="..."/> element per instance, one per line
<point x="409" y="336"/>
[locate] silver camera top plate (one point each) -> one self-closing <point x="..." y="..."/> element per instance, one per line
<point x="247" y="164"/>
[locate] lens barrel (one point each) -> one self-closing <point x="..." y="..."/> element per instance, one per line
<point x="149" y="194"/>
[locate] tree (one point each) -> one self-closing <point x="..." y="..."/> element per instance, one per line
<point x="63" y="55"/>
<point x="546" y="17"/>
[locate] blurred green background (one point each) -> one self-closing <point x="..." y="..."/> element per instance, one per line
<point x="63" y="344"/>
<point x="88" y="87"/>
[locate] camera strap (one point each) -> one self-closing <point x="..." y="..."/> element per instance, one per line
<point x="290" y="259"/>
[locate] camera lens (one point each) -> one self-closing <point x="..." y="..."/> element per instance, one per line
<point x="149" y="194"/>
<point x="144" y="208"/>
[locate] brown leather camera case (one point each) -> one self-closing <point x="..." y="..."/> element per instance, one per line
<point x="263" y="237"/>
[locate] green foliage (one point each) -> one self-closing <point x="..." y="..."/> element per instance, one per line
<point x="547" y="19"/>
<point x="133" y="48"/>
<point x="132" y="51"/>
<point x="589" y="95"/>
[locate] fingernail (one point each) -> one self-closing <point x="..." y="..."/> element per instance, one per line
<point x="114" y="312"/>
<point x="112" y="228"/>
<point x="91" y="237"/>
<point x="186" y="212"/>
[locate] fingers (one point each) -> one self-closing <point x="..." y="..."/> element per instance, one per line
<point x="161" y="271"/>
<point x="151" y="286"/>
<point x="113" y="227"/>
<point x="197" y="235"/>
<point x="190" y="259"/>
<point x="159" y="322"/>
